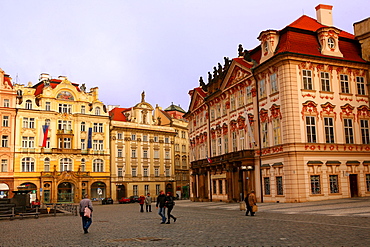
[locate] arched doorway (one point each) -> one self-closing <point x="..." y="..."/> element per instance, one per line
<point x="169" y="188"/>
<point x="31" y="188"/>
<point x="65" y="192"/>
<point x="98" y="191"/>
<point x="4" y="190"/>
<point x="121" y="191"/>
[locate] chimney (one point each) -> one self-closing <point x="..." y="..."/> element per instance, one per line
<point x="44" y="76"/>
<point x="324" y="14"/>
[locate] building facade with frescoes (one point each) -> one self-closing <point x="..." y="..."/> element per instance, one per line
<point x="61" y="141"/>
<point x="288" y="119"/>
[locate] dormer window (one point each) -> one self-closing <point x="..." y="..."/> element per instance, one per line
<point x="269" y="40"/>
<point x="328" y="37"/>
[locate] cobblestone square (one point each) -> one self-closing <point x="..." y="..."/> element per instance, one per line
<point x="342" y="222"/>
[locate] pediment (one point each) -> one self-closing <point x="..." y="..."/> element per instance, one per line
<point x="236" y="74"/>
<point x="197" y="99"/>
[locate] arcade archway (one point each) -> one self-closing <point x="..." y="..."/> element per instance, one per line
<point x="65" y="192"/>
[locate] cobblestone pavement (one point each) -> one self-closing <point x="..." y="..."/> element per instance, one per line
<point x="343" y="222"/>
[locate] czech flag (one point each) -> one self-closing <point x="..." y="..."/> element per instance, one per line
<point x="45" y="130"/>
<point x="209" y="160"/>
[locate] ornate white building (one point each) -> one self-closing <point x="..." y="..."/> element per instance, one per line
<point x="288" y="119"/>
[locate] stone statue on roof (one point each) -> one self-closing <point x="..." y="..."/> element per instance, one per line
<point x="214" y="72"/>
<point x="241" y="50"/>
<point x="227" y="61"/>
<point x="219" y="70"/>
<point x="201" y="82"/>
<point x="83" y="87"/>
<point x="209" y="77"/>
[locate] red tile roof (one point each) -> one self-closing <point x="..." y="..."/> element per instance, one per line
<point x="243" y="62"/>
<point x="117" y="114"/>
<point x="53" y="83"/>
<point x="307" y="23"/>
<point x="8" y="80"/>
<point x="305" y="41"/>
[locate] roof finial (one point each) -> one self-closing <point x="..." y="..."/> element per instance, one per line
<point x="143" y="96"/>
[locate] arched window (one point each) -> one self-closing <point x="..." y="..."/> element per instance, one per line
<point x="46" y="164"/>
<point x="28" y="164"/>
<point x="98" y="165"/>
<point x="83" y="165"/>
<point x="65" y="164"/>
<point x="29" y="104"/>
<point x="83" y="126"/>
<point x="97" y="111"/>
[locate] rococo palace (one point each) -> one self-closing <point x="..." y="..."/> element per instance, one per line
<point x="288" y="119"/>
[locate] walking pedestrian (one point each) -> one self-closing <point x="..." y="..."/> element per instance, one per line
<point x="141" y="202"/>
<point x="148" y="203"/>
<point x="170" y="203"/>
<point x="161" y="200"/>
<point x="250" y="201"/>
<point x="86" y="209"/>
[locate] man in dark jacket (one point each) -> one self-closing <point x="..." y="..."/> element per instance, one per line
<point x="161" y="200"/>
<point x="169" y="205"/>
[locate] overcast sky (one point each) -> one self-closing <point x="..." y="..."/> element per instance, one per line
<point x="127" y="46"/>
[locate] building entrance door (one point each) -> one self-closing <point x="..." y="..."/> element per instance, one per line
<point x="353" y="185"/>
<point x="65" y="192"/>
<point x="121" y="191"/>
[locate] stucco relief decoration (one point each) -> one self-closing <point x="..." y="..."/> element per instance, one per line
<point x="275" y="112"/>
<point x="64" y="95"/>
<point x="264" y="115"/>
<point x="327" y="97"/>
<point x="197" y="140"/>
<point x="277" y="149"/>
<point x="305" y="65"/>
<point x="224" y="129"/>
<point x="347" y="111"/>
<point x="233" y="124"/>
<point x="234" y="76"/>
<point x="328" y="109"/>
<point x="254" y="92"/>
<point x="227" y="104"/>
<point x="309" y="108"/>
<point x="205" y="135"/>
<point x="218" y="130"/>
<point x="358" y="72"/>
<point x="363" y="112"/>
<point x="213" y="133"/>
<point x="250" y="119"/>
<point x="241" y="122"/>
<point x="274" y="99"/>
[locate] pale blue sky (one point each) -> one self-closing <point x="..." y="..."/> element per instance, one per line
<point x="125" y="47"/>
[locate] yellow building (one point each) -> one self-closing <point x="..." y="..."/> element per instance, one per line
<point x="7" y="130"/>
<point x="173" y="116"/>
<point x="62" y="141"/>
<point x="288" y="119"/>
<point x="141" y="152"/>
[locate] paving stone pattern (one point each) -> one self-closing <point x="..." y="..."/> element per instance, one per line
<point x="343" y="222"/>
